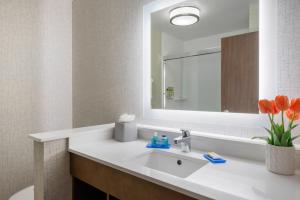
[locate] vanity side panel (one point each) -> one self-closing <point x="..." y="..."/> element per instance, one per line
<point x="38" y="171"/>
<point x="52" y="179"/>
<point x="119" y="184"/>
<point x="58" y="181"/>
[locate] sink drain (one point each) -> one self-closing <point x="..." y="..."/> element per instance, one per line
<point x="179" y="162"/>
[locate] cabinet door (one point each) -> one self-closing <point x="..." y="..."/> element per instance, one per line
<point x="240" y="73"/>
<point x="120" y="185"/>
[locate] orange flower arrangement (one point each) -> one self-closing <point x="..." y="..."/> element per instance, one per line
<point x="279" y="135"/>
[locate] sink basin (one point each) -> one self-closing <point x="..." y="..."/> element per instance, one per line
<point x="171" y="163"/>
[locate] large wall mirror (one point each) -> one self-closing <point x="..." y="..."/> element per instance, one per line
<point x="205" y="56"/>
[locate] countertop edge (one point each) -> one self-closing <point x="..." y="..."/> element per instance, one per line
<point x="63" y="134"/>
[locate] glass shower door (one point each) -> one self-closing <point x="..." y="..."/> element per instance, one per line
<point x="193" y="83"/>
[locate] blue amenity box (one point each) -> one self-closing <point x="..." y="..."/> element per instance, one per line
<point x="158" y="146"/>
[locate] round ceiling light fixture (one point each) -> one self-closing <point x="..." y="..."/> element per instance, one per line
<point x="184" y="16"/>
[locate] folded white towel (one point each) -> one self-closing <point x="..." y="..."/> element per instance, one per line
<point x="126" y="118"/>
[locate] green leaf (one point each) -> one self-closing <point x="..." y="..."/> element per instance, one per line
<point x="269" y="131"/>
<point x="285" y="139"/>
<point x="295" y="137"/>
<point x="271" y="140"/>
<point x="279" y="131"/>
<point x="276" y="140"/>
<point x="290" y="142"/>
<point x="294" y="126"/>
<point x="277" y="128"/>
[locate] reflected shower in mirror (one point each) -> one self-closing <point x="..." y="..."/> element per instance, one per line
<point x="204" y="56"/>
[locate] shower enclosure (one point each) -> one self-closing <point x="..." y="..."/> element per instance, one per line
<point x="192" y="81"/>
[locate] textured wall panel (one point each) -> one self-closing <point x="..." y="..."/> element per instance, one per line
<point x="52" y="177"/>
<point x="107" y="60"/>
<point x="35" y="82"/>
<point x="289" y="47"/>
<point x="17" y="51"/>
<point x="57" y="171"/>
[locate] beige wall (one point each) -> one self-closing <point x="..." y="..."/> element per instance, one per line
<point x="289" y="47"/>
<point x="35" y="81"/>
<point x="107" y="64"/>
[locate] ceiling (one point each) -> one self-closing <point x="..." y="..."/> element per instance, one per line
<point x="217" y="16"/>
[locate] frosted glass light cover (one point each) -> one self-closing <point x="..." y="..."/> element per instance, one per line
<point x="184" y="16"/>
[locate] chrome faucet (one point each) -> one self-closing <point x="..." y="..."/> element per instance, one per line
<point x="184" y="140"/>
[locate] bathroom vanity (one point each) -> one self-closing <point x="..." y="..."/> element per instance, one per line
<point x="108" y="169"/>
<point x="100" y="167"/>
<point x="112" y="183"/>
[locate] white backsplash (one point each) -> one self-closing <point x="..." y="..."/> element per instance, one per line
<point x="229" y="146"/>
<point x="238" y="131"/>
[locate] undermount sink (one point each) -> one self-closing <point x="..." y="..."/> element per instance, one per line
<point x="171" y="163"/>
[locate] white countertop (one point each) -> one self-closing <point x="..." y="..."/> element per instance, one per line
<point x="237" y="179"/>
<point x="67" y="133"/>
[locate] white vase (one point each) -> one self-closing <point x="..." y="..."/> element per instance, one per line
<point x="280" y="160"/>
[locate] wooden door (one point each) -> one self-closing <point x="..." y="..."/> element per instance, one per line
<point x="240" y="70"/>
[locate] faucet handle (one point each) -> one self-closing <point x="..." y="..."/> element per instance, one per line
<point x="185" y="132"/>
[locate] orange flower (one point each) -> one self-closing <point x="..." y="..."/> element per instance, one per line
<point x="295" y="105"/>
<point x="282" y="102"/>
<point x="292" y="115"/>
<point x="265" y="106"/>
<point x="275" y="110"/>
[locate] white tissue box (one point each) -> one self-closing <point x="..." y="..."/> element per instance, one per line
<point x="125" y="131"/>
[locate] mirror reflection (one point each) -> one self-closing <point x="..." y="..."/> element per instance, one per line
<point x="203" y="53"/>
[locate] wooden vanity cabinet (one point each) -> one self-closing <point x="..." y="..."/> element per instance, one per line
<point x="117" y="185"/>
